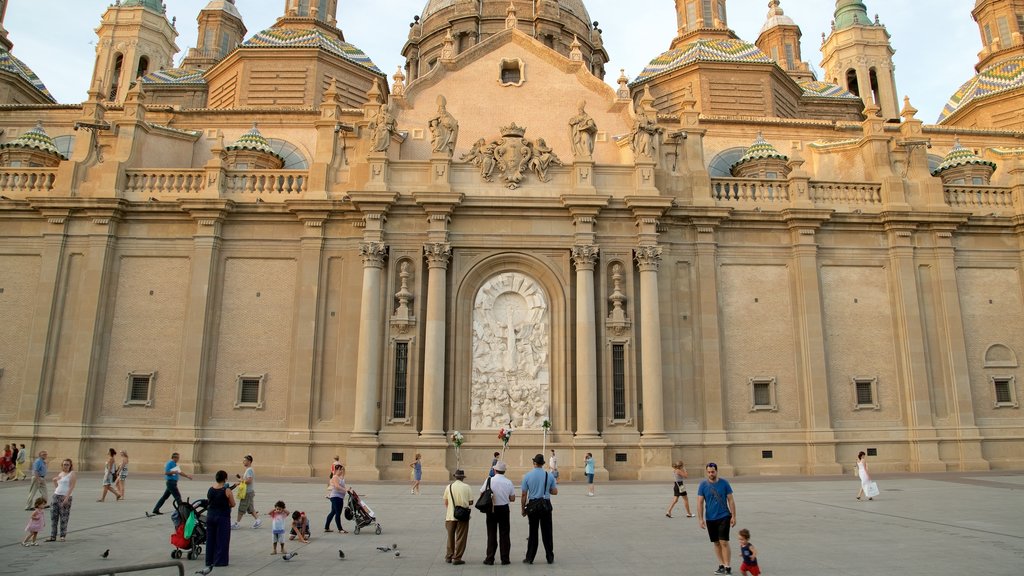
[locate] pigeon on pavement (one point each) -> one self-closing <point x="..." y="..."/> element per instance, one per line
<point x="105" y="553"/>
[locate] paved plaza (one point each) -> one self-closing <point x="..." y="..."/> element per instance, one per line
<point x="931" y="524"/>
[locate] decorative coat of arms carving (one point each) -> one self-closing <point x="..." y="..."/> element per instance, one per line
<point x="512" y="156"/>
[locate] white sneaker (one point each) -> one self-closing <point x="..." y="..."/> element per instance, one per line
<point x="234" y="525"/>
<point x="257" y="523"/>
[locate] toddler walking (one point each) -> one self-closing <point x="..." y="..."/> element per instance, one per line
<point x="35" y="523"/>
<point x="749" y="554"/>
<point x="277" y="518"/>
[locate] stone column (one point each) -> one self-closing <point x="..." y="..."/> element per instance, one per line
<point x="584" y="257"/>
<point x="371" y="326"/>
<point x="812" y="374"/>
<point x="438" y="255"/>
<point x="199" y="329"/>
<point x="648" y="259"/>
<point x="954" y="353"/>
<point x="911" y="363"/>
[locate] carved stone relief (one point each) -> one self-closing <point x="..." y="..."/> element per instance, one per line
<point x="511" y="353"/>
<point x="512" y="156"/>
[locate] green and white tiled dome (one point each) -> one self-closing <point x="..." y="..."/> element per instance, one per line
<point x="37" y="139"/>
<point x="961" y="156"/>
<point x="760" y="150"/>
<point x="253" y="140"/>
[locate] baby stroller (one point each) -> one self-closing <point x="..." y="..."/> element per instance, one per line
<point x="358" y="512"/>
<point x="189" y="518"/>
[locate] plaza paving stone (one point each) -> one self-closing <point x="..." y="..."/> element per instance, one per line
<point x="924" y="524"/>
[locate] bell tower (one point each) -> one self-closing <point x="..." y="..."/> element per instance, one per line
<point x="134" y="38"/>
<point x="857" y="55"/>
<point x="1001" y="24"/>
<point x="323" y="10"/>
<point x="699" y="20"/>
<point x="780" y="38"/>
<point x="220" y="30"/>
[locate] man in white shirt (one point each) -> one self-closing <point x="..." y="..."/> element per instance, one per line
<point x="504" y="492"/>
<point x="553" y="464"/>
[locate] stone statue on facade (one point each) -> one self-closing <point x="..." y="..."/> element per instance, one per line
<point x="513" y="156"/>
<point x="481" y="155"/>
<point x="582" y="132"/>
<point x="543" y="157"/>
<point x="645" y="135"/>
<point x="382" y="127"/>
<point x="444" y="129"/>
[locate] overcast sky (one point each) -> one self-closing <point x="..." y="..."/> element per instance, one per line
<point x="936" y="41"/>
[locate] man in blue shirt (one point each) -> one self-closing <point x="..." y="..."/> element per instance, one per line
<point x="539" y="485"/>
<point x="715" y="504"/>
<point x="38" y="486"/>
<point x="171" y="473"/>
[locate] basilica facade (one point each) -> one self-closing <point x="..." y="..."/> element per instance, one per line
<point x="277" y="248"/>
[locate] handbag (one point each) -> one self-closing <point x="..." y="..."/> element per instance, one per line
<point x="871" y="489"/>
<point x="485" y="503"/>
<point x="536" y="505"/>
<point x="460" y="513"/>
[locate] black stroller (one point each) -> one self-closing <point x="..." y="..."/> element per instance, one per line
<point x="358" y="512"/>
<point x="194" y="543"/>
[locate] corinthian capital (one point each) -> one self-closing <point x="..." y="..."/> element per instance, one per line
<point x="648" y="258"/>
<point x="585" y="256"/>
<point x="373" y="253"/>
<point x="438" y="254"/>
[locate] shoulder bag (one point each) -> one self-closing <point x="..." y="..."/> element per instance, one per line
<point x="485" y="503"/>
<point x="536" y="505"/>
<point x="461" y="513"/>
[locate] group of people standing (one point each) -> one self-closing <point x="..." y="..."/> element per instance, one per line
<point x="537" y="486"/>
<point x="12" y="462"/>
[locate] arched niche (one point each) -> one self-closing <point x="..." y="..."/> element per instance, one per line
<point x="1000" y="356"/>
<point x="529" y="293"/>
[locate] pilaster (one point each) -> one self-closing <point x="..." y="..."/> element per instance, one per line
<point x="584" y="256"/>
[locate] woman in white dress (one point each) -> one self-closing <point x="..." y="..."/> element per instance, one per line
<point x="862" y="473"/>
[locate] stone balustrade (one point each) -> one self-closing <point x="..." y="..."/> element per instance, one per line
<point x="846" y="193"/>
<point x="990" y="198"/>
<point x="750" y="190"/>
<point x="241" y="185"/>
<point x="163" y="184"/>
<point x="23" y="182"/>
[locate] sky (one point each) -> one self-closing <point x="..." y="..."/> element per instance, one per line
<point x="936" y="41"/>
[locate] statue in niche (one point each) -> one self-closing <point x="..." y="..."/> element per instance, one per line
<point x="582" y="131"/>
<point x="382" y="127"/>
<point x="543" y="157"/>
<point x="511" y="374"/>
<point x="644" y="137"/>
<point x="444" y="129"/>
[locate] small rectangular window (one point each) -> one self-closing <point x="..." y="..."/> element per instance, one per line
<point x="140" y="389"/>
<point x="512" y="72"/>
<point x="988" y="35"/>
<point x="621" y="457"/>
<point x="398" y="456"/>
<point x="1020" y="24"/>
<point x="865" y="393"/>
<point x="762" y="394"/>
<point x="1004" y="388"/>
<point x="619" y="381"/>
<point x="708" y="18"/>
<point x="250" y="391"/>
<point x="398" y="404"/>
<point x="691" y="15"/>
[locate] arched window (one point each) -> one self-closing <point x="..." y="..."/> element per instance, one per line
<point x="294" y="159"/>
<point x="64" y="145"/>
<point x="851" y="82"/>
<point x="115" y="76"/>
<point x="873" y="76"/>
<point x="143" y="68"/>
<point x="721" y="165"/>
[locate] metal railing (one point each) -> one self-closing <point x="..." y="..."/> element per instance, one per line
<point x="127" y="569"/>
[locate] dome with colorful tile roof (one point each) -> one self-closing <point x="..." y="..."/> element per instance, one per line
<point x="11" y="64"/>
<point x="34" y="141"/>
<point x="761" y="160"/>
<point x="714" y="50"/>
<point x="820" y="89"/>
<point x="961" y="156"/>
<point x="574" y="7"/>
<point x="999" y="78"/>
<point x="306" y="38"/>
<point x="253" y="140"/>
<point x="174" y="77"/>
